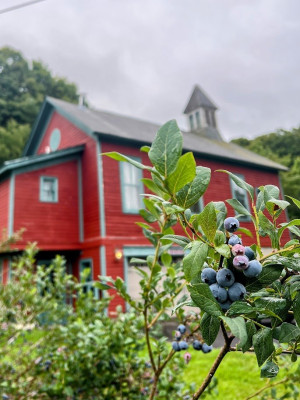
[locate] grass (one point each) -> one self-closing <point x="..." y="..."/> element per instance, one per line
<point x="238" y="375"/>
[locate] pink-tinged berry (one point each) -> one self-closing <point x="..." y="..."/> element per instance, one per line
<point x="238" y="250"/>
<point x="187" y="357"/>
<point x="240" y="262"/>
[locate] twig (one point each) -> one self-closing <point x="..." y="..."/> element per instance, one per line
<point x="268" y="386"/>
<point x="225" y="349"/>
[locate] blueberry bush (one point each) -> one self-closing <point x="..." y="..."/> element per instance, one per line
<point x="240" y="291"/>
<point x="58" y="342"/>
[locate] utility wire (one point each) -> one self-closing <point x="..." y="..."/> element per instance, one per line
<point x="17" y="6"/>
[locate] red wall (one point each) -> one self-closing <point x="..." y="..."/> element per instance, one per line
<point x="50" y="224"/>
<point x="120" y="224"/>
<point x="73" y="136"/>
<point x="4" y="201"/>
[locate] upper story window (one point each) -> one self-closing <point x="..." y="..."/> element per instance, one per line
<point x="198" y="119"/>
<point x="49" y="189"/>
<point x="191" y="118"/>
<point x="131" y="187"/>
<point x="198" y="207"/>
<point x="240" y="195"/>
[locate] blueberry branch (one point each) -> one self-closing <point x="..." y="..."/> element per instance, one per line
<point x="225" y="349"/>
<point x="268" y="386"/>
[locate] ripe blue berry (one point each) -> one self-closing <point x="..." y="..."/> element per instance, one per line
<point x="181" y="328"/>
<point x="234" y="239"/>
<point x="225" y="277"/>
<point x="231" y="224"/>
<point x="249" y="253"/>
<point x="206" y="348"/>
<point x="197" y="345"/>
<point x="183" y="345"/>
<point x="225" y="306"/>
<point x="236" y="292"/>
<point x="240" y="262"/>
<point x="208" y="275"/>
<point x="219" y="293"/>
<point x="254" y="269"/>
<point x="175" y="346"/>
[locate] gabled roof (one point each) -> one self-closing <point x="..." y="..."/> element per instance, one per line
<point x="39" y="159"/>
<point x="199" y="99"/>
<point x="119" y="127"/>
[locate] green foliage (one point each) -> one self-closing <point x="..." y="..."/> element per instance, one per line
<point x="51" y="350"/>
<point x="23" y="87"/>
<point x="273" y="296"/>
<point x="283" y="147"/>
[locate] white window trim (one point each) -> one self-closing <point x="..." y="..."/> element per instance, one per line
<point x="55" y="180"/>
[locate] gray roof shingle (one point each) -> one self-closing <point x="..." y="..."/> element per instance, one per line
<point x="115" y="125"/>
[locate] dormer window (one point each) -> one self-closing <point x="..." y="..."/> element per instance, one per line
<point x="191" y="118"/>
<point x="198" y="119"/>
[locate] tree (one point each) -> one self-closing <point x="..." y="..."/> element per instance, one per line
<point x="283" y="147"/>
<point x="23" y="87"/>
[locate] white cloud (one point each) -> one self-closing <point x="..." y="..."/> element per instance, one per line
<point x="142" y="58"/>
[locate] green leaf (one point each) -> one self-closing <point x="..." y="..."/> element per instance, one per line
<point x="275" y="305"/>
<point x="260" y="202"/>
<point x="245" y="231"/>
<point x="209" y="326"/>
<point x="291" y="262"/>
<point x="147" y="216"/>
<point x="135" y="260"/>
<point x="145" y="149"/>
<point x="270" y="191"/>
<point x="166" y="148"/>
<point x="166" y="259"/>
<point x="263" y="345"/>
<point x="221" y="213"/>
<point x="237" y="206"/>
<point x="180" y="240"/>
<point x="268" y="275"/>
<point x="288" y="332"/>
<point x="296" y="309"/>
<point x="240" y="183"/>
<point x="296" y="202"/>
<point x="224" y="250"/>
<point x="102" y="286"/>
<point x="120" y="157"/>
<point x="220" y="238"/>
<point x="286" y="225"/>
<point x="269" y="370"/>
<point x="280" y="203"/>
<point x="203" y="298"/>
<point x="251" y="330"/>
<point x="237" y="327"/>
<point x="184" y="173"/>
<point x="153" y="187"/>
<point x="239" y="307"/>
<point x="193" y="262"/>
<point x="191" y="193"/>
<point x="207" y="219"/>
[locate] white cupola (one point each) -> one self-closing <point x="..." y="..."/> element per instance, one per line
<point x="201" y="114"/>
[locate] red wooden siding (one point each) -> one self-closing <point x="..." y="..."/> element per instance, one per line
<point x="73" y="136"/>
<point x="52" y="225"/>
<point x="4" y="202"/>
<point x="5" y="265"/>
<point x="120" y="224"/>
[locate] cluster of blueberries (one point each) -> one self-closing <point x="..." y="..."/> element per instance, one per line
<point x="180" y="344"/>
<point x="222" y="283"/>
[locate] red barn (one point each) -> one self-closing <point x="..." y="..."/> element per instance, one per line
<point x="74" y="201"/>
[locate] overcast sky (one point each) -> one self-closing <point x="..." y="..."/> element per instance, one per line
<point x="142" y="57"/>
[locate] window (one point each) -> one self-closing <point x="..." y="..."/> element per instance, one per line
<point x="131" y="187"/>
<point x="198" y="119"/>
<point x="191" y="118"/>
<point x="87" y="264"/>
<point x="49" y="189"/>
<point x="198" y="207"/>
<point x="240" y="195"/>
<point x="207" y="117"/>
